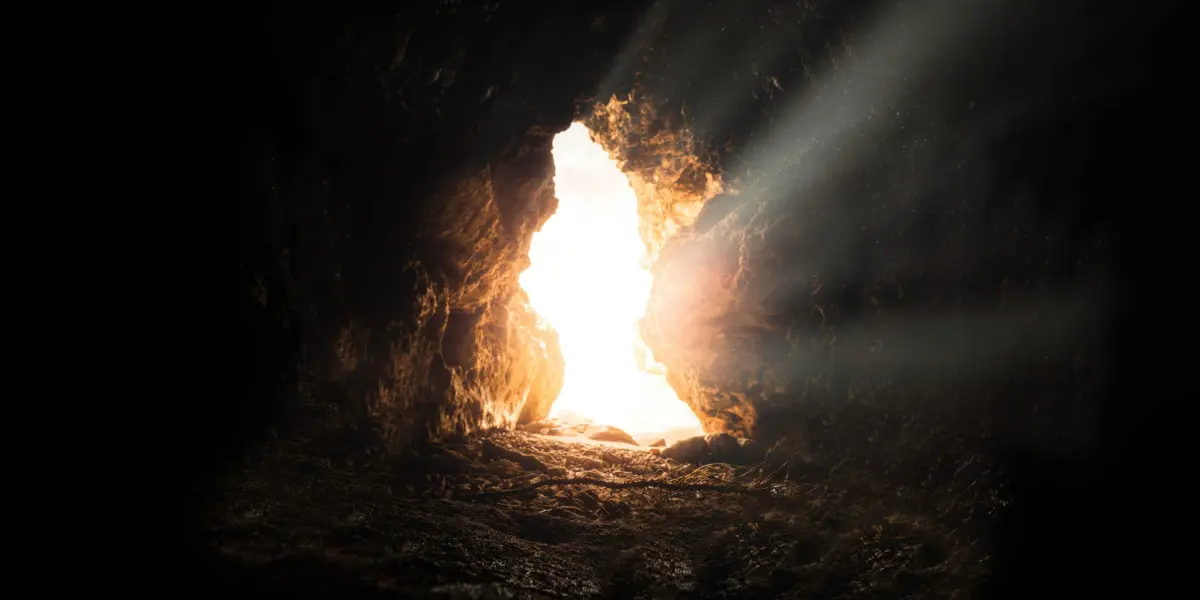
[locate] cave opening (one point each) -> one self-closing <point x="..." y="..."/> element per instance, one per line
<point x="589" y="279"/>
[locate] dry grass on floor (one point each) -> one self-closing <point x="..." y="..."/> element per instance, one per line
<point x="291" y="520"/>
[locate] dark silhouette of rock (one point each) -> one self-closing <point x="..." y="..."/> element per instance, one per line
<point x="693" y="449"/>
<point x="723" y="447"/>
<point x="714" y="447"/>
<point x="491" y="450"/>
<point x="750" y="451"/>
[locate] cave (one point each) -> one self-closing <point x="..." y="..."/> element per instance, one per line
<point x="733" y="299"/>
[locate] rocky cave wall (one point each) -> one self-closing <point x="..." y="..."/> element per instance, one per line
<point x="892" y="271"/>
<point x="672" y="173"/>
<point x="398" y="167"/>
<point x="897" y="263"/>
<point x="903" y="267"/>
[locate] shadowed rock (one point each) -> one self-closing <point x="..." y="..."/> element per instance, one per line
<point x="693" y="449"/>
<point x="714" y="447"/>
<point x="491" y="450"/>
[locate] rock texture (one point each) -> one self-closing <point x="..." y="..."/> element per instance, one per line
<point x="450" y="531"/>
<point x="882" y="264"/>
<point x="858" y="232"/>
<point x="397" y="168"/>
<point x="672" y="172"/>
<point x="875" y="250"/>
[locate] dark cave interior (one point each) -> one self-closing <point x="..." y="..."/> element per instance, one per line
<point x="888" y="279"/>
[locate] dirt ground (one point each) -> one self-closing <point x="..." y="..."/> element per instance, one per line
<point x="432" y="525"/>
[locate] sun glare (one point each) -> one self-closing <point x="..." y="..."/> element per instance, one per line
<point x="586" y="279"/>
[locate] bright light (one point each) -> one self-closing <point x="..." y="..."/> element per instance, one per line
<point x="586" y="279"/>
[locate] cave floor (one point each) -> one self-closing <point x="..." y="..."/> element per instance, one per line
<point x="291" y="522"/>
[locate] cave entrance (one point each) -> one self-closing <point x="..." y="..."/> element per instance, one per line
<point x="588" y="278"/>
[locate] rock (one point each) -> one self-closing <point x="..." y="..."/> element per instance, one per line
<point x="504" y="468"/>
<point x="714" y="447"/>
<point x="581" y="428"/>
<point x="491" y="450"/>
<point x="587" y="499"/>
<point x="448" y="461"/>
<point x="556" y="472"/>
<point x="612" y="458"/>
<point x="759" y="574"/>
<point x="693" y="449"/>
<point x="659" y="443"/>
<point x="588" y="462"/>
<point x="555" y="431"/>
<point x="723" y="447"/>
<point x="611" y="510"/>
<point x="542" y="426"/>
<point x="570" y="512"/>
<point x="656" y="452"/>
<point x="751" y="450"/>
<point x="613" y="434"/>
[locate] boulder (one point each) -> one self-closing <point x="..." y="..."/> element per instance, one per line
<point x="613" y="434"/>
<point x="693" y="450"/>
<point x="723" y="447"/>
<point x="493" y="451"/>
<point x="714" y="447"/>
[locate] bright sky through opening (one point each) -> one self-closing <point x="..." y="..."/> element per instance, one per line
<point x="587" y="281"/>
